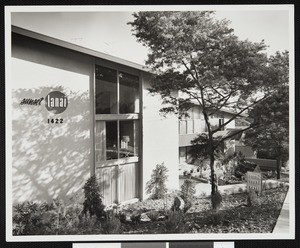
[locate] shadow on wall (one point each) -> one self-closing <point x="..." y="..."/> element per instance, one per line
<point x="50" y="160"/>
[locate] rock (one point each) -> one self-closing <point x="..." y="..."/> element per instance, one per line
<point x="144" y="218"/>
<point x="161" y="217"/>
<point x="196" y="226"/>
<point x="178" y="203"/>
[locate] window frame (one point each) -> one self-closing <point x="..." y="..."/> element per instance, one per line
<point x="118" y="117"/>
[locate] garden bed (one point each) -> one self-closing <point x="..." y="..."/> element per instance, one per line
<point x="234" y="216"/>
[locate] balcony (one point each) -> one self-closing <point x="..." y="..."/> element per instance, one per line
<point x="190" y="128"/>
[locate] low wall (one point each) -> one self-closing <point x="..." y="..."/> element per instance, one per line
<point x="264" y="164"/>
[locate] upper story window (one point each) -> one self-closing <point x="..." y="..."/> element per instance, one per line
<point x="129" y="93"/>
<point x="116" y="92"/>
<point x="106" y="90"/>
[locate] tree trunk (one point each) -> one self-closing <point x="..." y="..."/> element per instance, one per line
<point x="214" y="186"/>
<point x="211" y="156"/>
<point x="278" y="167"/>
<point x="212" y="175"/>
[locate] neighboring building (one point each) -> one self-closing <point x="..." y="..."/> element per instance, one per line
<point x="110" y="125"/>
<point x="193" y="125"/>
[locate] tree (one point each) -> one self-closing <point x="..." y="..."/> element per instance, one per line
<point x="198" y="56"/>
<point x="271" y="136"/>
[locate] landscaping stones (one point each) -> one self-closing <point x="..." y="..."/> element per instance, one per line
<point x="234" y="215"/>
<point x="178" y="204"/>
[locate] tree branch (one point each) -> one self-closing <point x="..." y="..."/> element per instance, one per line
<point x="235" y="133"/>
<point x="239" y="113"/>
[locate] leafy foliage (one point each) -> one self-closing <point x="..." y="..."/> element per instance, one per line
<point x="27" y="218"/>
<point x="199" y="57"/>
<point x="271" y="137"/>
<point x="188" y="190"/>
<point x="156" y="186"/>
<point x="175" y="222"/>
<point x="253" y="199"/>
<point x="135" y="217"/>
<point x="42" y="218"/>
<point x="92" y="199"/>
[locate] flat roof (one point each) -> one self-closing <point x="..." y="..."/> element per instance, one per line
<point x="77" y="48"/>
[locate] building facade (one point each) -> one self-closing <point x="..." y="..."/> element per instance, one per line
<point x="110" y="125"/>
<point x="194" y="124"/>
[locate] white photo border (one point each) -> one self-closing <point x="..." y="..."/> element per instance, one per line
<point x="147" y="237"/>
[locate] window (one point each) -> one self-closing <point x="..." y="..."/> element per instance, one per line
<point x="190" y="126"/>
<point x="106" y="90"/>
<point x="116" y="139"/>
<point x="117" y="119"/>
<point x="182" y="127"/>
<point x="129" y="93"/>
<point x="221" y="122"/>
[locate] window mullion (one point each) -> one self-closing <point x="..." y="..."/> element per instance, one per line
<point x="118" y="93"/>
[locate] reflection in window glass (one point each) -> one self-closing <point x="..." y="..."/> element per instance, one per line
<point x="100" y="142"/>
<point x="129" y="139"/>
<point x="111" y="140"/>
<point x="106" y="90"/>
<point x="129" y="93"/>
<point x="106" y="140"/>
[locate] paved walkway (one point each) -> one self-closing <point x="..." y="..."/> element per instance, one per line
<point x="282" y="224"/>
<point x="204" y="189"/>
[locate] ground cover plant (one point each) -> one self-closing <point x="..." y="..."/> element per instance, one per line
<point x="234" y="216"/>
<point x="242" y="212"/>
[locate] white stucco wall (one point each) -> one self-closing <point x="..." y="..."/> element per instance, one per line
<point x="160" y="140"/>
<point x="49" y="160"/>
<point x="226" y="118"/>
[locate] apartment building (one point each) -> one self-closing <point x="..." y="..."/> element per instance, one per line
<point x="76" y="112"/>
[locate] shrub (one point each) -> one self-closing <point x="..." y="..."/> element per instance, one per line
<point x="216" y="200"/>
<point x="135" y="217"/>
<point x="187" y="206"/>
<point x="243" y="166"/>
<point x="111" y="226"/>
<point x="252" y="198"/>
<point x="88" y="224"/>
<point x="178" y="204"/>
<point x="156" y="186"/>
<point x="43" y="218"/>
<point x="175" y="222"/>
<point x="27" y="219"/>
<point x="188" y="190"/>
<point x="121" y="217"/>
<point x="92" y="198"/>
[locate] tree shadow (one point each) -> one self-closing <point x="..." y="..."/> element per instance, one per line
<point x="50" y="160"/>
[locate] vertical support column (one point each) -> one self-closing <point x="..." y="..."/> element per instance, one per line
<point x="118" y="140"/>
<point x="93" y="126"/>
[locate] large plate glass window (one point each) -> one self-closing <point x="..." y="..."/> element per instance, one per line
<point x="129" y="93"/>
<point x="117" y="118"/>
<point x="106" y="90"/>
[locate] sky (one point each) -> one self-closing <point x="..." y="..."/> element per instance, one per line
<point x="109" y="32"/>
